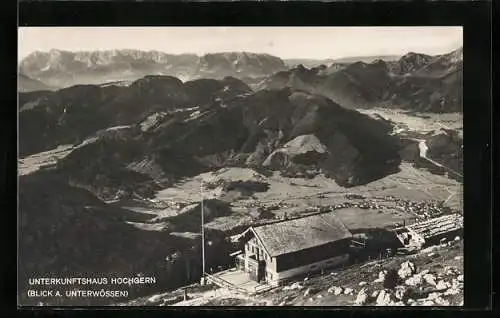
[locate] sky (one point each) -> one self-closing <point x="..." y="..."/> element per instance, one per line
<point x="285" y="42"/>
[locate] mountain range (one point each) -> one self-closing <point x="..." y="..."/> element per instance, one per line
<point x="132" y="141"/>
<point x="134" y="130"/>
<point x="64" y="68"/>
<point x="205" y="123"/>
<point x="417" y="82"/>
<point x="414" y="81"/>
<point x="251" y="120"/>
<point x="367" y="59"/>
<point x="27" y="84"/>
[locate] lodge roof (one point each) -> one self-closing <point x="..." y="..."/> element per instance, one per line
<point x="301" y="233"/>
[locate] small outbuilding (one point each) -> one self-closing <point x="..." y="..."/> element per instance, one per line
<point x="431" y="231"/>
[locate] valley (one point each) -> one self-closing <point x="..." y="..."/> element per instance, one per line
<point x="112" y="175"/>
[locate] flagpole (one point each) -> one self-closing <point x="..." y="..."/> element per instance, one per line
<point x="202" y="230"/>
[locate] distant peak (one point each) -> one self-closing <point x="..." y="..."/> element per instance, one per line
<point x="150" y="79"/>
<point x="414" y="54"/>
<point x="358" y="64"/>
<point x="458" y="51"/>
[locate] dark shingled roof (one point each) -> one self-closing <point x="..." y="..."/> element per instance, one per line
<point x="301" y="233"/>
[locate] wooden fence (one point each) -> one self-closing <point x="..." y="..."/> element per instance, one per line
<point x="263" y="288"/>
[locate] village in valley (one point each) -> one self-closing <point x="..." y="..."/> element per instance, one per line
<point x="368" y="250"/>
<point x="236" y="178"/>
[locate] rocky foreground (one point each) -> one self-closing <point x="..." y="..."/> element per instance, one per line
<point x="433" y="277"/>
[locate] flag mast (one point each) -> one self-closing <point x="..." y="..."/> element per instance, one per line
<point x="202" y="231"/>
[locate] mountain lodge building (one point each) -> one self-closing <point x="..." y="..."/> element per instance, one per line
<point x="278" y="251"/>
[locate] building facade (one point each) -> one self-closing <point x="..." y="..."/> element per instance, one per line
<point x="276" y="252"/>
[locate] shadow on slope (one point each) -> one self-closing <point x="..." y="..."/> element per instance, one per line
<point x="66" y="231"/>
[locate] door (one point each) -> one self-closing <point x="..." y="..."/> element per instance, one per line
<point x="261" y="271"/>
